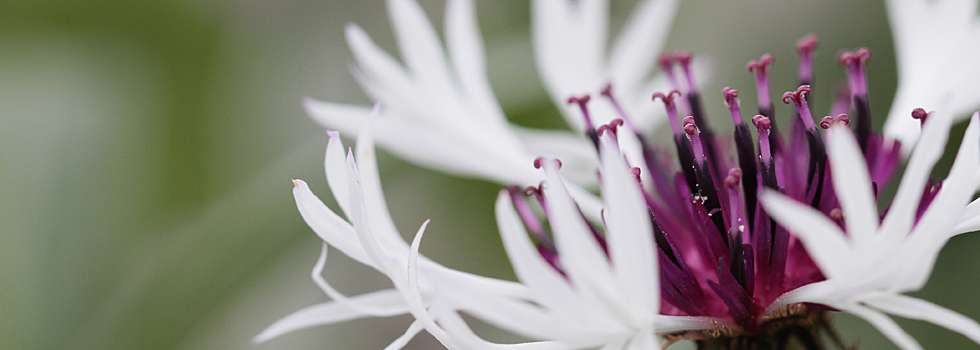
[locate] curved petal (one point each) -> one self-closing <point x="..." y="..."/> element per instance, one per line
<point x="852" y="185"/>
<point x="886" y="326"/>
<point x="629" y="234"/>
<point x="333" y="312"/>
<point x="823" y="240"/>
<point x="919" y="309"/>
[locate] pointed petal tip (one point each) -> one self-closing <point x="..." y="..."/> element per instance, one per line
<point x="298" y="183"/>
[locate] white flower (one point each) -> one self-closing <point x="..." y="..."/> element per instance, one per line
<point x="936" y="47"/>
<point x="870" y="266"/>
<point x="605" y="301"/>
<point x="602" y="303"/>
<point x="442" y="113"/>
<point x="369" y="237"/>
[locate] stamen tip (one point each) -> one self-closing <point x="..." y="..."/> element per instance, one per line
<point x="683" y="57"/>
<point x="731" y="95"/>
<point x="733" y="178"/>
<point x="761" y="64"/>
<point x="919" y="113"/>
<point x="690" y="127"/>
<point x="539" y="162"/>
<point x="806" y="44"/>
<point x="761" y="122"/>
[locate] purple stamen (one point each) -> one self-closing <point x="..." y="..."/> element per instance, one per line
<point x="805" y="47"/>
<point x="666" y="62"/>
<point x="527" y="214"/>
<point x="731" y="100"/>
<point x="763" y="125"/>
<point x="854" y="62"/>
<point x="693" y="134"/>
<point x="671" y="109"/>
<point x="608" y="94"/>
<point x="612" y="128"/>
<point x="745" y="152"/>
<point x="583" y="105"/>
<point x="732" y="182"/>
<point x="684" y="58"/>
<point x="798" y="98"/>
<point x="760" y="67"/>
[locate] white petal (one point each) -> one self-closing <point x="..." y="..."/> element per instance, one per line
<point x="938" y="222"/>
<point x="927" y="152"/>
<point x="333" y="312"/>
<point x="644" y="341"/>
<point x="640" y="41"/>
<point x="589" y="269"/>
<point x="616" y="345"/>
<point x="327" y="225"/>
<point x="374" y="200"/>
<point x="337" y="296"/>
<point x="629" y="234"/>
<point x="413" y="295"/>
<point x="466" y="50"/>
<point x="823" y="240"/>
<point x="575" y="151"/>
<point x="347" y="119"/>
<point x="919" y="309"/>
<point x="375" y="62"/>
<point x="593" y="30"/>
<point x="462" y="333"/>
<point x="672" y="324"/>
<point x="403" y="340"/>
<point x="886" y="326"/>
<point x="335" y="166"/>
<point x="852" y="185"/>
<point x="547" y="285"/>
<point x="419" y="45"/>
<point x="970" y="221"/>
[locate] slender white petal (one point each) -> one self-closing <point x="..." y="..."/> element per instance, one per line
<point x="852" y="184"/>
<point x="643" y="341"/>
<point x="348" y="119"/>
<point x="823" y="240"/>
<point x="337" y="296"/>
<point x="629" y="234"/>
<point x="548" y="286"/>
<point x="936" y="50"/>
<point x="413" y="294"/>
<point x="466" y="50"/>
<point x="937" y="223"/>
<point x="333" y="312"/>
<point x="335" y="166"/>
<point x="919" y="309"/>
<point x="902" y="212"/>
<point x="970" y="221"/>
<point x="403" y="340"/>
<point x="327" y="225"/>
<point x="886" y="326"/>
<point x="589" y="270"/>
<point x="419" y="45"/>
<point x="640" y="41"/>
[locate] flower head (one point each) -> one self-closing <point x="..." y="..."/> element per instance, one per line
<point x="744" y="242"/>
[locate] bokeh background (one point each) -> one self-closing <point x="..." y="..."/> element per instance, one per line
<point x="146" y="149"/>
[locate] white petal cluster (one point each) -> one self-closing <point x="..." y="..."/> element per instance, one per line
<point x="440" y="111"/>
<point x="870" y="264"/>
<point x="602" y="302"/>
<point x="936" y="44"/>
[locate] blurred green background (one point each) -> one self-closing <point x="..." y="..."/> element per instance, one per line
<point x="147" y="147"/>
